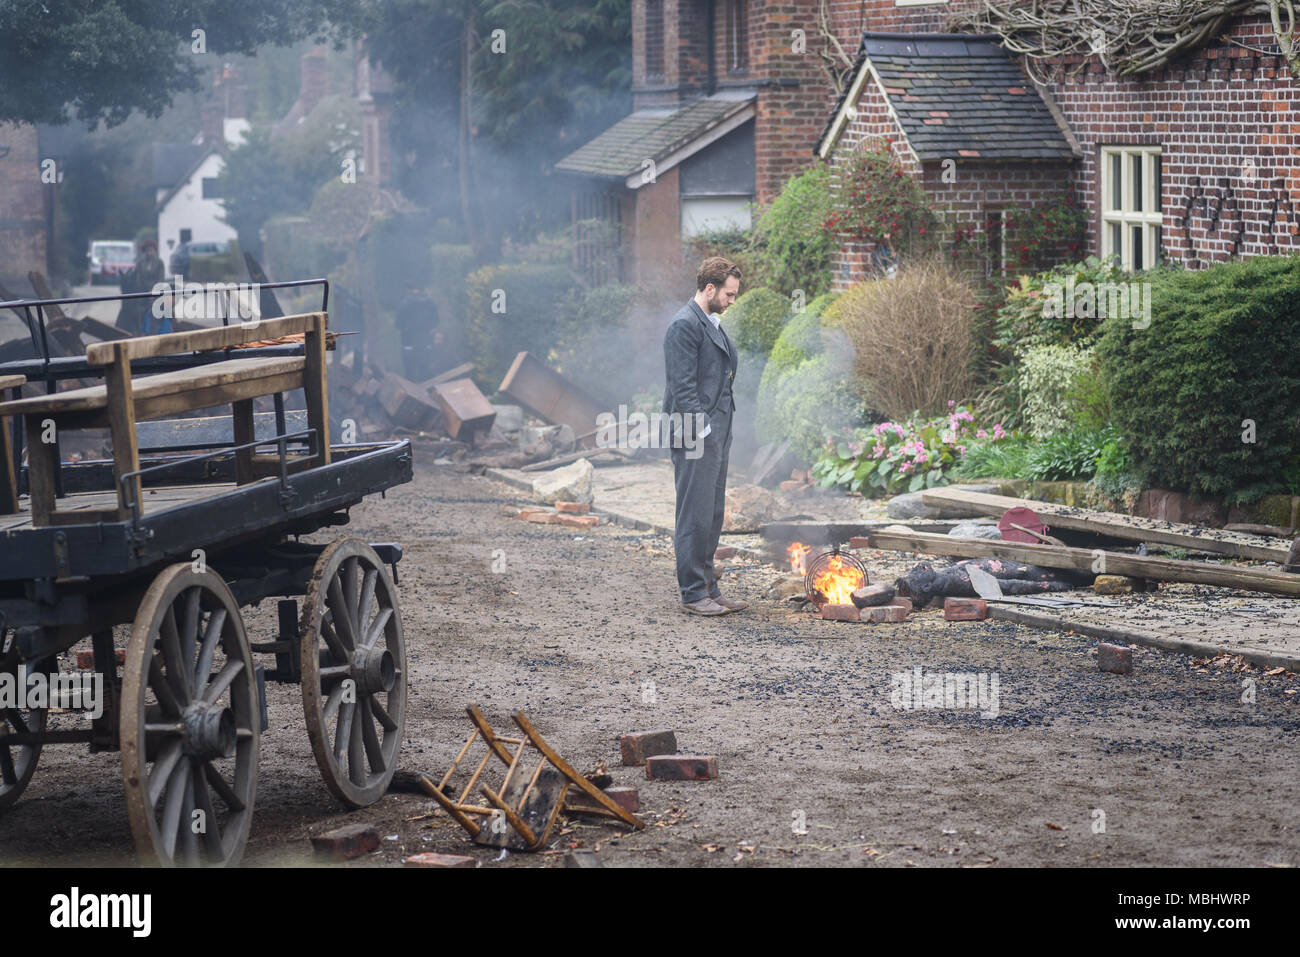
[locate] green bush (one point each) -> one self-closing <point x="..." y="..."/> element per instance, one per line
<point x="806" y="404"/>
<point x="1000" y="458"/>
<point x="1067" y="455"/>
<point x="1055" y="382"/>
<point x="534" y="298"/>
<point x="591" y="340"/>
<point x="1029" y="315"/>
<point x="800" y="339"/>
<point x="755" y="320"/>
<point x="795" y="249"/>
<point x="1218" y="352"/>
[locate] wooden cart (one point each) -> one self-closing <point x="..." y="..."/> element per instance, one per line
<point x="174" y="545"/>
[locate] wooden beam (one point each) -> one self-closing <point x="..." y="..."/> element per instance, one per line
<point x="42" y="464"/>
<point x="202" y="340"/>
<point x="1083" y="559"/>
<point x="242" y="414"/>
<point x="1128" y="527"/>
<point x="121" y="425"/>
<point x="314" y="385"/>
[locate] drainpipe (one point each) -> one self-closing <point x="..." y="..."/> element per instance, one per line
<point x="711" y="86"/>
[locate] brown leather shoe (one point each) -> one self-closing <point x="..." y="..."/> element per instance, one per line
<point x="732" y="604"/>
<point x="705" y="606"/>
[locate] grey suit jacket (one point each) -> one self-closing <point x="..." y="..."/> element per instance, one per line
<point x="699" y="361"/>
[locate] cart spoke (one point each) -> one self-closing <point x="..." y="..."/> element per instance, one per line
<point x="189" y="839"/>
<point x="339" y="608"/>
<point x="225" y="677"/>
<point x="16" y="719"/>
<point x="344" y="731"/>
<point x="374" y="753"/>
<point x="7" y="772"/>
<point x="367" y="597"/>
<point x="177" y="671"/>
<point x="350" y="591"/>
<point x="173" y="806"/>
<point x="378" y="711"/>
<point x="377" y="629"/>
<point x="161" y="687"/>
<point x="208" y="650"/>
<point x="223" y="788"/>
<point x="356" y="758"/>
<point x="333" y="641"/>
<point x="332" y="703"/>
<point x="203" y="801"/>
<point x="190" y="633"/>
<point x="162" y="769"/>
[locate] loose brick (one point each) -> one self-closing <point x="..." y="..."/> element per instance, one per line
<point x="629" y="799"/>
<point x="790" y="485"/>
<point x="724" y="551"/>
<point x="869" y="595"/>
<point x="1115" y="658"/>
<point x="86" y="658"/>
<point x="580" y="521"/>
<point x="345" y="843"/>
<point x="572" y="508"/>
<point x="965" y="609"/>
<point x="636" y="748"/>
<point x="582" y="858"/>
<point x="531" y="510"/>
<point x="682" y="767"/>
<point x="1112" y="585"/>
<point x="430" y="859"/>
<point x="883" y="614"/>
<point x="544" y="518"/>
<point x="903" y="603"/>
<point x="840" y="613"/>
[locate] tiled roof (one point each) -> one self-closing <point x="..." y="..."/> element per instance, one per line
<point x="650" y="134"/>
<point x="960" y="96"/>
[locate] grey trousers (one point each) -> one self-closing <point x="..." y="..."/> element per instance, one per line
<point x="701" y="485"/>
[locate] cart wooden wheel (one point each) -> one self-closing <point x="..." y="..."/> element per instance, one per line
<point x="190" y="722"/>
<point x="17" y="761"/>
<point x="353" y="671"/>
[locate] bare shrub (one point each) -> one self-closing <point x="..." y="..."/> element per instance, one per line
<point x="912" y="337"/>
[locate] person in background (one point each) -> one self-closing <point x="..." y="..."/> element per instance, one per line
<point x="417" y="321"/>
<point x="134" y="315"/>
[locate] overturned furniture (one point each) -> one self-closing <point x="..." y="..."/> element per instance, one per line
<point x="522" y="811"/>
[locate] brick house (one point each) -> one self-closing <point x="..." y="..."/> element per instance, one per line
<point x="1190" y="163"/>
<point x="726" y="99"/>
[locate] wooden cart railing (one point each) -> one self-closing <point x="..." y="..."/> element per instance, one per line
<point x="122" y="401"/>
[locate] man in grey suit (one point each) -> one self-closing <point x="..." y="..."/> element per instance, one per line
<point x="700" y="363"/>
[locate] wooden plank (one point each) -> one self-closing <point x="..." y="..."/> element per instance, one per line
<point x="202" y="340"/>
<point x="121" y="425"/>
<point x="12" y="381"/>
<point x="460" y="372"/>
<point x="42" y="464"/>
<point x="547" y="394"/>
<point x="406" y="403"/>
<point x="314" y="384"/>
<point x="1128" y="527"/>
<point x="1083" y="559"/>
<point x="176" y="382"/>
<point x="53" y="313"/>
<point x="1261" y="658"/>
<point x="571" y="457"/>
<point x="83" y="516"/>
<point x="465" y="410"/>
<point x="8" y="473"/>
<point x="242" y="412"/>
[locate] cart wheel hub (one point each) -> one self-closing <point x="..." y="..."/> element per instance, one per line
<point x="209" y="732"/>
<point x="373" y="670"/>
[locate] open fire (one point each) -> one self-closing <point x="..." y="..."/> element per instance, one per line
<point x="834" y="576"/>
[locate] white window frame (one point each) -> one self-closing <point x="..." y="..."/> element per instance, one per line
<point x="1138" y="207"/>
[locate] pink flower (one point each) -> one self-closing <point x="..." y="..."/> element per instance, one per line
<point x="961" y="449"/>
<point x="951" y="403"/>
<point x="981" y="434"/>
<point x="878" y="451"/>
<point x="905" y="467"/>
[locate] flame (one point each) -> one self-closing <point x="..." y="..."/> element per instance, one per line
<point x="798" y="552"/>
<point x="839" y="580"/>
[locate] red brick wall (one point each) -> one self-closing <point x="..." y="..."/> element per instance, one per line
<point x="657" y="229"/>
<point x="1227" y="121"/>
<point x="22" y="206"/>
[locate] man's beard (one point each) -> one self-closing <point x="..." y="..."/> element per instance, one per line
<point x="716" y="304"/>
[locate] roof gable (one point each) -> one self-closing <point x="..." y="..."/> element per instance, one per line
<point x="955" y="96"/>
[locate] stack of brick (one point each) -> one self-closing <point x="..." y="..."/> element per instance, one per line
<point x="571" y="514"/>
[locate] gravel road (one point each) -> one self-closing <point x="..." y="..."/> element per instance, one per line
<point x="582" y="630"/>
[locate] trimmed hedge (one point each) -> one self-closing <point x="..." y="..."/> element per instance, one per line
<point x="1220" y="350"/>
<point x="756" y="318"/>
<point x="536" y="300"/>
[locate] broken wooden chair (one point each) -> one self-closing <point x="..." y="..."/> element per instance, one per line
<point x="522" y="811"/>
